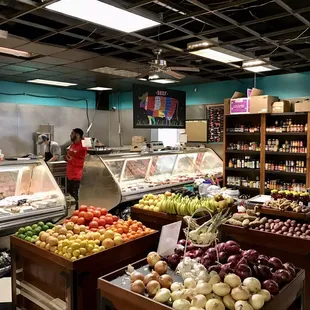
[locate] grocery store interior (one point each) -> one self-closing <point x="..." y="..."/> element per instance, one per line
<point x="154" y="154"/>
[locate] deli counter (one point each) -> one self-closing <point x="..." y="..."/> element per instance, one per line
<point x="109" y="180"/>
<point x="28" y="194"/>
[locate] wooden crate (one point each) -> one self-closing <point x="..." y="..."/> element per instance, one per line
<point x="288" y="249"/>
<point x="114" y="297"/>
<point x="71" y="282"/>
<point x="285" y="214"/>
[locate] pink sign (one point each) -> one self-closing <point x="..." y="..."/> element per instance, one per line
<point x="239" y="105"/>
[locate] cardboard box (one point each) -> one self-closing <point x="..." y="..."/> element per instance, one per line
<point x="240" y="106"/>
<point x="303" y="106"/>
<point x="137" y="139"/>
<point x="281" y="106"/>
<point x="261" y="104"/>
<point x="227" y="106"/>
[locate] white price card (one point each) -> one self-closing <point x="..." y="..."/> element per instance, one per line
<point x="169" y="238"/>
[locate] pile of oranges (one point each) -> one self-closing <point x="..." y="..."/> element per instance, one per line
<point x="130" y="229"/>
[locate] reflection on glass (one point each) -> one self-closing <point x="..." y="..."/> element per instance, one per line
<point x="185" y="164"/>
<point x="136" y="169"/>
<point x="115" y="167"/>
<point x="162" y="165"/>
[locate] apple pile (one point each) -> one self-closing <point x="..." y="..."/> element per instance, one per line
<point x="227" y="257"/>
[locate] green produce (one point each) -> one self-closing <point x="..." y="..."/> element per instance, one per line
<point x="31" y="233"/>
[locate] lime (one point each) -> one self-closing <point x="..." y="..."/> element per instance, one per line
<point x="45" y="227"/>
<point x="28" y="228"/>
<point x="29" y="233"/>
<point x="21" y="230"/>
<point x="33" y="240"/>
<point x="37" y="230"/>
<point x="41" y="224"/>
<point x="50" y="225"/>
<point x="22" y="236"/>
<point x="28" y="239"/>
<point x="34" y="226"/>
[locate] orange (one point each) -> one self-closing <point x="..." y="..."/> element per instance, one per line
<point x="134" y="227"/>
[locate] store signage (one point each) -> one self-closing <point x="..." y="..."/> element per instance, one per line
<point x="169" y="238"/>
<point x="158" y="108"/>
<point x="239" y="105"/>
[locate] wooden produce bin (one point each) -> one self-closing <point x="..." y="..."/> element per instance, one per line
<point x="288" y="249"/>
<point x="156" y="220"/>
<point x="112" y="296"/>
<point x="44" y="278"/>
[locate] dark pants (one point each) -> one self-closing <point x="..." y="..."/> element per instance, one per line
<point x="73" y="187"/>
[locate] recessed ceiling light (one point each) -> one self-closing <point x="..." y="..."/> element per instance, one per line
<point x="261" y="68"/>
<point x="117" y="72"/>
<point x="103" y="14"/>
<point x="49" y="82"/>
<point x="214" y="54"/>
<point x="100" y="88"/>
<point x="16" y="53"/>
<point x="164" y="81"/>
<point x="254" y="62"/>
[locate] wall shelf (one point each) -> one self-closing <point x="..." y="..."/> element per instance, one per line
<point x="286" y="154"/>
<point x="286" y="134"/>
<point x="242" y="133"/>
<point x="285" y="173"/>
<point x="242" y="152"/>
<point x="241" y="169"/>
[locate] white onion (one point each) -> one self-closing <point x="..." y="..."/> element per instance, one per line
<point x="265" y="294"/>
<point x="152" y="258"/>
<point x="178" y="295"/>
<point x="213" y="296"/>
<point x="163" y="295"/>
<point x="181" y="304"/>
<point x="232" y="280"/>
<point x="189" y="283"/>
<point x="257" y="301"/>
<point x="203" y="275"/>
<point x="214" y="279"/>
<point x="204" y="288"/>
<point x="229" y="302"/>
<point x="252" y="284"/>
<point x="221" y="289"/>
<point x="199" y="301"/>
<point x="175" y="286"/>
<point x="243" y="305"/>
<point x="190" y="293"/>
<point x="195" y="308"/>
<point x="240" y="293"/>
<point x="214" y="304"/>
<point x="213" y="273"/>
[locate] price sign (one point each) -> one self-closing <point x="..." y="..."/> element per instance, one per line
<point x="169" y="238"/>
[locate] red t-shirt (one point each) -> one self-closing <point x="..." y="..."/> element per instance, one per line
<point x="76" y="163"/>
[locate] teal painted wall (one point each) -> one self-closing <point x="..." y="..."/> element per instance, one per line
<point x="283" y="86"/>
<point x="39" y="90"/>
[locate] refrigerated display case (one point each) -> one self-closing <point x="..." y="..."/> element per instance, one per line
<point x="28" y="194"/>
<point x="111" y="179"/>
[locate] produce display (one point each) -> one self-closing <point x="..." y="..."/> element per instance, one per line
<point x="250" y="219"/>
<point x="283" y="204"/>
<point x="90" y="230"/>
<point x="281" y="185"/>
<point x="177" y="204"/>
<point x="245" y="280"/>
<point x="299" y="197"/>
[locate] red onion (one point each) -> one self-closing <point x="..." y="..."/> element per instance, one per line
<point x="225" y="269"/>
<point x="231" y="247"/>
<point x="290" y="269"/>
<point x="212" y="252"/>
<point x="183" y="242"/>
<point x="216" y="268"/>
<point x="234" y="259"/>
<point x="190" y="255"/>
<point x="271" y="286"/>
<point x="173" y="260"/>
<point x="285" y="276"/>
<point x="290" y="264"/>
<point x="207" y="260"/>
<point x="223" y="257"/>
<point x="277" y="278"/>
<point x="276" y="263"/>
<point x="250" y="255"/>
<point x="179" y="249"/>
<point x="243" y="271"/>
<point x="263" y="260"/>
<point x="221" y="247"/>
<point x="264" y="272"/>
<point x="190" y="247"/>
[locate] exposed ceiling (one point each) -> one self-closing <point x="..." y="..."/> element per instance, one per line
<point x="69" y="48"/>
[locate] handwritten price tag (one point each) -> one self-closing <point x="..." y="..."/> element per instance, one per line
<point x="169" y="238"/>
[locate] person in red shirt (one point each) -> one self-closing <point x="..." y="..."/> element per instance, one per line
<point x="75" y="162"/>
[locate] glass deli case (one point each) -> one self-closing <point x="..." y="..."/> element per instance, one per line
<point x="28" y="194"/>
<point x="111" y="179"/>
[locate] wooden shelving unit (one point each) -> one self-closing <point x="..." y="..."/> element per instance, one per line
<point x="261" y="138"/>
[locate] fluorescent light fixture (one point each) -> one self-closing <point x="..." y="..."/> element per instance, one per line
<point x="164" y="81"/>
<point x="153" y="77"/>
<point x="100" y="88"/>
<point x="16" y="53"/>
<point x="213" y="54"/>
<point x="264" y="68"/>
<point x="3" y="34"/>
<point x="49" y="82"/>
<point x="254" y="62"/>
<point x="142" y="79"/>
<point x="102" y="14"/>
<point x="117" y="72"/>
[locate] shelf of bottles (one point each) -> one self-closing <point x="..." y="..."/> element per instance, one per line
<point x="215" y="118"/>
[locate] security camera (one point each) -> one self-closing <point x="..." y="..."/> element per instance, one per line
<point x="113" y="109"/>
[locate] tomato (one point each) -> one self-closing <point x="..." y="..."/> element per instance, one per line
<point x="81" y="221"/>
<point x="76" y="212"/>
<point x="83" y="208"/>
<point x="115" y="218"/>
<point x="109" y="214"/>
<point x="101" y="222"/>
<point x="104" y="211"/>
<point x="97" y="213"/>
<point x="93" y="224"/>
<point x="109" y="220"/>
<point x="92" y="207"/>
<point x="96" y="219"/>
<point x="102" y="217"/>
<point x="66" y="221"/>
<point x="82" y="214"/>
<point x="107" y="226"/>
<point x="94" y="229"/>
<point x="88" y="216"/>
<point x="74" y="219"/>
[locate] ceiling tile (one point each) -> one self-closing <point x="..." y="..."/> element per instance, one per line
<point x="76" y="55"/>
<point x="10" y="60"/>
<point x="19" y="68"/>
<point x="36" y="65"/>
<point x="42" y="49"/>
<point x="43" y="73"/>
<point x="63" y="69"/>
<point x="12" y="42"/>
<point x="8" y="72"/>
<point x="52" y="60"/>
